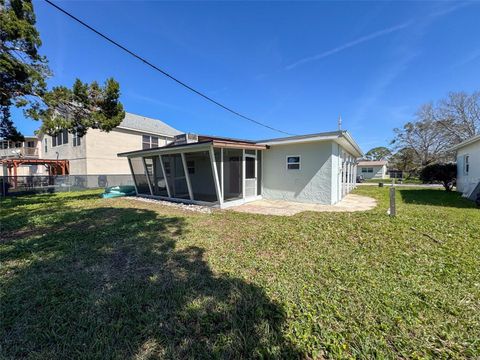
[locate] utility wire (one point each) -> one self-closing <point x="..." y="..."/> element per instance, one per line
<point x="162" y="71"/>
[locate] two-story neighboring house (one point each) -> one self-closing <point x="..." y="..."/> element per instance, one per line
<point x="96" y="152"/>
<point x="28" y="149"/>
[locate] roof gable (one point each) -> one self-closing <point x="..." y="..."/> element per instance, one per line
<point x="467" y="142"/>
<point x="147" y="125"/>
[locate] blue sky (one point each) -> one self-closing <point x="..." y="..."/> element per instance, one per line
<point x="295" y="66"/>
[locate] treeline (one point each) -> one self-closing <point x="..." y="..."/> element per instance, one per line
<point x="435" y="128"/>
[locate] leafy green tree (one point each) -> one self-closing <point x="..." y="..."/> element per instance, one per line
<point x="405" y="160"/>
<point x="22" y="69"/>
<point x="78" y="109"/>
<point x="23" y="74"/>
<point x="444" y="173"/>
<point x="378" y="153"/>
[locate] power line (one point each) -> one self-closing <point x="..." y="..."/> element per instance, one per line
<point x="162" y="71"/>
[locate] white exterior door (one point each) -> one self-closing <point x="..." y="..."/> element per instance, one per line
<point x="250" y="175"/>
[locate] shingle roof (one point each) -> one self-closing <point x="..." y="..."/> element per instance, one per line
<point x="148" y="125"/>
<point x="372" y="162"/>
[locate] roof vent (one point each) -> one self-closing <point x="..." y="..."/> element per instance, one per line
<point x="185" y="139"/>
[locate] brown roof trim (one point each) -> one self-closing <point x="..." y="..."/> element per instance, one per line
<point x="216" y="143"/>
<point x="222" y="138"/>
<point x="238" y="145"/>
<point x="167" y="147"/>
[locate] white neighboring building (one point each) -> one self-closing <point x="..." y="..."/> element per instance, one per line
<point x="373" y="169"/>
<point x="468" y="167"/>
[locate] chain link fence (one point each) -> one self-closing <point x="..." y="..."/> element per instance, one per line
<point x="16" y="185"/>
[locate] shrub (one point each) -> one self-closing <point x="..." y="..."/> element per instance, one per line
<point x="444" y="173"/>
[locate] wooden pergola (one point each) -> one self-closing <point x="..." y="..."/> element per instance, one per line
<point x="54" y="167"/>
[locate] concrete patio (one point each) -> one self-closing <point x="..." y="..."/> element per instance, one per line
<point x="350" y="203"/>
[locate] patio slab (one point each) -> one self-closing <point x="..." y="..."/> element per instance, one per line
<point x="350" y="203"/>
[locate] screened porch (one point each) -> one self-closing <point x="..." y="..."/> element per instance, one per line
<point x="216" y="172"/>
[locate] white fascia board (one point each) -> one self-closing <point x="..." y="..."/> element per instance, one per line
<point x="299" y="141"/>
<point x="465" y="143"/>
<point x="345" y="140"/>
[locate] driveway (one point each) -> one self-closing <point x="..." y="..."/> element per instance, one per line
<point x="350" y="203"/>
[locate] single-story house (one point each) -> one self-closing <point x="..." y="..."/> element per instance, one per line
<point x="468" y="167"/>
<point x="316" y="168"/>
<point x="373" y="169"/>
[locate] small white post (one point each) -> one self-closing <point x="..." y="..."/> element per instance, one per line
<point x="221" y="174"/>
<point x="243" y="173"/>
<point x="187" y="177"/>
<point x="133" y="175"/>
<point x="215" y="176"/>
<point x="393" y="209"/>
<point x="164" y="176"/>
<point x="146" y="174"/>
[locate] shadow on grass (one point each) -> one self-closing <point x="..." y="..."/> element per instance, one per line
<point x="111" y="283"/>
<point x="435" y="198"/>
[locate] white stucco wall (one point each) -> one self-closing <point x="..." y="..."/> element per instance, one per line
<point x="312" y="183"/>
<point x="379" y="172"/>
<point x="335" y="178"/>
<point x="466" y="183"/>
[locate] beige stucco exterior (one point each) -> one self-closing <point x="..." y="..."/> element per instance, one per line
<point x="97" y="153"/>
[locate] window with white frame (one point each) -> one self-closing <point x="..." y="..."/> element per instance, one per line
<point x="367" y="170"/>
<point x="60" y="139"/>
<point x="149" y="142"/>
<point x="293" y="162"/>
<point x="45" y="141"/>
<point x="76" y="139"/>
<point x="466" y="164"/>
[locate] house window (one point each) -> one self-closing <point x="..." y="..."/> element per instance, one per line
<point x="293" y="162"/>
<point x="45" y="141"/>
<point x="367" y="170"/>
<point x="31" y="144"/>
<point x="149" y="142"/>
<point x="466" y="164"/>
<point x="60" y="139"/>
<point x="191" y="167"/>
<point x="76" y="139"/>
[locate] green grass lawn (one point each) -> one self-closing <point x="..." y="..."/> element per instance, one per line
<point x="84" y="277"/>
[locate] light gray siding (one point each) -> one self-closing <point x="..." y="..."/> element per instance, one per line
<point x="312" y="183"/>
<point x="467" y="182"/>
